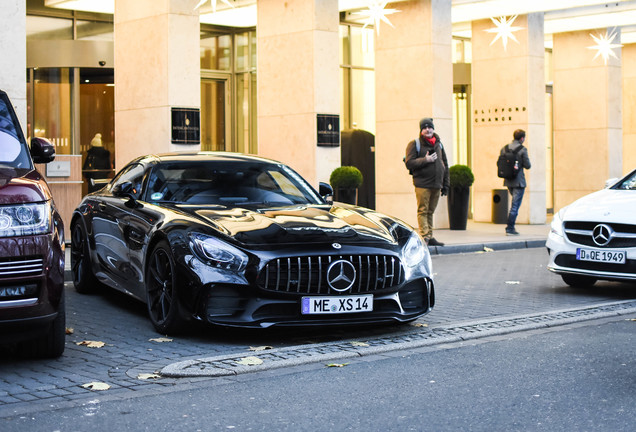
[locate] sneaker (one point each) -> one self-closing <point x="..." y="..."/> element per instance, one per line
<point x="433" y="242"/>
<point x="512" y="233"/>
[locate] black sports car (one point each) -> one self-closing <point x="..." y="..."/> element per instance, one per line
<point x="238" y="240"/>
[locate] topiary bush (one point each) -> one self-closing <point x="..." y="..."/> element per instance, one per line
<point x="346" y="177"/>
<point x="461" y="176"/>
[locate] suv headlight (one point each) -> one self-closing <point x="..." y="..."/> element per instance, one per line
<point x="414" y="253"/>
<point x="25" y="219"/>
<point x="217" y="253"/>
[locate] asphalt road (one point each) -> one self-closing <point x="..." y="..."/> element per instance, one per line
<point x="491" y="286"/>
<point x="578" y="377"/>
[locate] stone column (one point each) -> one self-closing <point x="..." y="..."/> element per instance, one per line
<point x="13" y="55"/>
<point x="157" y="68"/>
<point x="628" y="59"/>
<point x="298" y="78"/>
<point x="508" y="94"/>
<point x="587" y="116"/>
<point x="414" y="79"/>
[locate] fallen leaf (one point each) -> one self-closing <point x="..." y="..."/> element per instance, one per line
<point x="147" y="376"/>
<point x="261" y="348"/>
<point x="70" y="330"/>
<point x="160" y="339"/>
<point x="97" y="386"/>
<point x="487" y="249"/>
<point x="250" y="361"/>
<point x="420" y="325"/>
<point x="359" y="344"/>
<point x="91" y="344"/>
<point x="513" y="282"/>
<point x="337" y="364"/>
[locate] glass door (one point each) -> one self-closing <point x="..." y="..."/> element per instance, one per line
<point x="215" y="118"/>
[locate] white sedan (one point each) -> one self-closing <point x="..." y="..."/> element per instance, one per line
<point x="595" y="237"/>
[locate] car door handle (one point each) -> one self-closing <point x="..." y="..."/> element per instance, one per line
<point x="102" y="207"/>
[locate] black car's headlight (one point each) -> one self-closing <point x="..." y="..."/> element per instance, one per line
<point x="217" y="253"/>
<point x="25" y="219"/>
<point x="415" y="253"/>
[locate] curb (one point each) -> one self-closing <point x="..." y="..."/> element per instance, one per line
<point x="244" y="362"/>
<point x="481" y="247"/>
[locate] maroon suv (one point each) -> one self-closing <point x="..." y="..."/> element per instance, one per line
<point x="31" y="245"/>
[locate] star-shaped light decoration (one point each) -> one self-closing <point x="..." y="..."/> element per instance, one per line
<point x="213" y="3"/>
<point x="604" y="46"/>
<point x="375" y="13"/>
<point x="504" y="30"/>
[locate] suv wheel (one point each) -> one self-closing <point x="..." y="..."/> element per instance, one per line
<point x="50" y="345"/>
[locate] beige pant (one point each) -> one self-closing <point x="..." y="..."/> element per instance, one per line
<point x="427" y="200"/>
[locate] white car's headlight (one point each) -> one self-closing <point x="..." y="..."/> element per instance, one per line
<point x="556" y="227"/>
<point x="25" y="219"/>
<point x="414" y="252"/>
<point x="217" y="253"/>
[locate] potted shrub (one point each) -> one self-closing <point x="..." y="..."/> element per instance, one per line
<point x="461" y="178"/>
<point x="345" y="181"/>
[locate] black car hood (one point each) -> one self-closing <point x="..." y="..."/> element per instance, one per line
<point x="304" y="224"/>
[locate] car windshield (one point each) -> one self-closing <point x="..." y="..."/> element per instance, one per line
<point x="232" y="184"/>
<point x="13" y="152"/>
<point x="628" y="183"/>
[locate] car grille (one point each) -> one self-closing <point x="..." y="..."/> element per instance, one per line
<point x="624" y="235"/>
<point x="308" y="275"/>
<point x="21" y="267"/>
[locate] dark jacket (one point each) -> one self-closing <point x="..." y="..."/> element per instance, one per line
<point x="431" y="175"/>
<point x="520" y="180"/>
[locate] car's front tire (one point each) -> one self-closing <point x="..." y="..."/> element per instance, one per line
<point x="83" y="278"/>
<point x="578" y="281"/>
<point x="161" y="291"/>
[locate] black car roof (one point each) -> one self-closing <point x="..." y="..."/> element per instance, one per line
<point x="207" y="155"/>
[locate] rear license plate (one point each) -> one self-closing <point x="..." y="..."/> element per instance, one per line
<point x="336" y="305"/>
<point x="605" y="256"/>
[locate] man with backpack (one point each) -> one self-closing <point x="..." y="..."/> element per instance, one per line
<point x="426" y="161"/>
<point x="512" y="161"/>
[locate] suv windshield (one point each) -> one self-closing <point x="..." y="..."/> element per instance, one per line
<point x="13" y="151"/>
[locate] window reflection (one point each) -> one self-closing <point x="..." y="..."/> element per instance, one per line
<point x="52" y="107"/>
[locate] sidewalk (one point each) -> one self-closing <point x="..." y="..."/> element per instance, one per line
<point x="480" y="235"/>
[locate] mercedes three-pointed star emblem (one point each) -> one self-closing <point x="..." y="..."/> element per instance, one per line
<point x="341" y="275"/>
<point x="602" y="234"/>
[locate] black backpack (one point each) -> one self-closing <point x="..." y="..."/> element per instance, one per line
<point x="508" y="163"/>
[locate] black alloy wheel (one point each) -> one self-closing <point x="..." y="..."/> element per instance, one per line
<point x="83" y="278"/>
<point x="161" y="290"/>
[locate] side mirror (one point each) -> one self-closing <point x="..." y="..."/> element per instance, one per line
<point x="42" y="151"/>
<point x="126" y="190"/>
<point x="123" y="190"/>
<point x="326" y="192"/>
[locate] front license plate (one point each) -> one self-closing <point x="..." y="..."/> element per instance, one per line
<point x="336" y="305"/>
<point x="605" y="256"/>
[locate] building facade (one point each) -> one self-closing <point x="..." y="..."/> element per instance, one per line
<point x="266" y="81"/>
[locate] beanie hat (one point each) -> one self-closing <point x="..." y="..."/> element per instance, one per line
<point x="426" y="121"/>
<point x="97" y="140"/>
